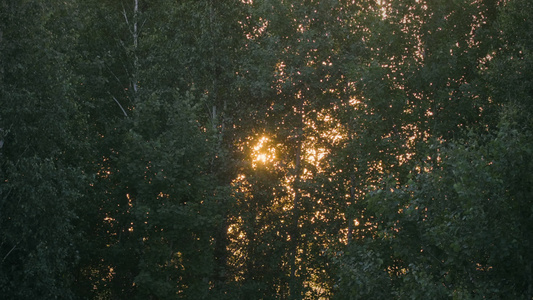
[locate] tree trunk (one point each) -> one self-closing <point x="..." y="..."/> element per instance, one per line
<point x="294" y="283"/>
<point x="349" y="217"/>
<point x="294" y="231"/>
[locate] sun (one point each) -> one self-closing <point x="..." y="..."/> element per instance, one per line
<point x="263" y="152"/>
<point x="261" y="158"/>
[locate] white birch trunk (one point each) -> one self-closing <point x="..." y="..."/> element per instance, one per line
<point x="135" y="33"/>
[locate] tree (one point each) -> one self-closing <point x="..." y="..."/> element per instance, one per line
<point x="265" y="149"/>
<point x="160" y="148"/>
<point x="456" y="230"/>
<point x="443" y="228"/>
<point x="42" y="150"/>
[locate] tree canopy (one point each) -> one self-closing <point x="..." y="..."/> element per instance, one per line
<point x="266" y="149"/>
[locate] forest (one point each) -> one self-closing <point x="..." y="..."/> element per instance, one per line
<point x="266" y="149"/>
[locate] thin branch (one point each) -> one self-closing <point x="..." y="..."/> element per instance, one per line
<point x="10" y="251"/>
<point x="142" y="25"/>
<point x="125" y="14"/>
<point x="118" y="103"/>
<point x="114" y="75"/>
<point x="126" y="17"/>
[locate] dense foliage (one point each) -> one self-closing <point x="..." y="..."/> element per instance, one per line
<point x="266" y="149"/>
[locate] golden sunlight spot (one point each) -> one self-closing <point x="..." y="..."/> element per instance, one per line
<point x="354" y="102"/>
<point x="262" y="158"/>
<point x="263" y="153"/>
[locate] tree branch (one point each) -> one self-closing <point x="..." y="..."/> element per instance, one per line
<point x="118" y="103"/>
<point x="10" y="251"/>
